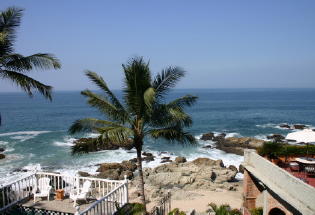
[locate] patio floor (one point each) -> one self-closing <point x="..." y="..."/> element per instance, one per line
<point x="65" y="205"/>
<point x="303" y="176"/>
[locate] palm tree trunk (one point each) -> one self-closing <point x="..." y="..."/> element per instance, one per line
<point x="139" y="160"/>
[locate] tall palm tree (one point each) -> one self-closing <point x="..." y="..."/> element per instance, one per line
<point x="14" y="66"/>
<point x="144" y="112"/>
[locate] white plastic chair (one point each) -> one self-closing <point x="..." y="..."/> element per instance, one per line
<point x="81" y="194"/>
<point x="42" y="189"/>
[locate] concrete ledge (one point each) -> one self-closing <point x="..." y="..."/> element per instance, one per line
<point x="292" y="190"/>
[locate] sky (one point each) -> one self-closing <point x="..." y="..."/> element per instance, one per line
<point x="221" y="44"/>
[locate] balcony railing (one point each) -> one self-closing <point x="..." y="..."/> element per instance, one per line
<point x="108" y="193"/>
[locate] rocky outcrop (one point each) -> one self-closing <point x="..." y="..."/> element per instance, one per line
<point x="276" y="137"/>
<point x="285" y="126"/>
<point x="207" y="136"/>
<point x="84" y="145"/>
<point x="2" y="149"/>
<point x="180" y="160"/>
<point x="202" y="173"/>
<point x="2" y="156"/>
<point x="236" y="145"/>
<point x="117" y="171"/>
<point x="299" y="126"/>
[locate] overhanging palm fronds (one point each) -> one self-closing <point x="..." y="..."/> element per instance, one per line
<point x="14" y="66"/>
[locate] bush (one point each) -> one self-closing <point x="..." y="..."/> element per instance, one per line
<point x="224" y="209"/>
<point x="256" y="211"/>
<point x="130" y="209"/>
<point x="176" y="212"/>
<point x="274" y="150"/>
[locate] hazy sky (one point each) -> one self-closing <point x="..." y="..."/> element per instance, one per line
<point x="221" y="44"/>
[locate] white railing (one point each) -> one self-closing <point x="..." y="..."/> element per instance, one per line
<point x="14" y="192"/>
<point x="108" y="205"/>
<point x="107" y="192"/>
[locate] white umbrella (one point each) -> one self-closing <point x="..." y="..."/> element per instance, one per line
<point x="306" y="136"/>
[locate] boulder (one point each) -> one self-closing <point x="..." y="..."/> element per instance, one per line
<point x="129" y="166"/>
<point x="276" y="137"/>
<point x="127" y="173"/>
<point x="285" y="126"/>
<point x="236" y="145"/>
<point x="233" y="168"/>
<point x="83" y="174"/>
<point x="241" y="168"/>
<point x="148" y="154"/>
<point x="180" y="160"/>
<point x="219" y="138"/>
<point x="2" y="156"/>
<point x="2" y="149"/>
<point x="207" y="147"/>
<point x="299" y="126"/>
<point x="107" y="166"/>
<point x="207" y="136"/>
<point x="110" y="174"/>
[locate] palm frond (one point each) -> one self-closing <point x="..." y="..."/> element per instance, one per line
<point x="187" y="100"/>
<point x="20" y="63"/>
<point x="103" y="105"/>
<point x="99" y="81"/>
<point x="27" y="83"/>
<point x="172" y="134"/>
<point x="116" y="134"/>
<point x="167" y="79"/>
<point x="149" y="97"/>
<point x="137" y="80"/>
<point x="10" y="19"/>
<point x="89" y="124"/>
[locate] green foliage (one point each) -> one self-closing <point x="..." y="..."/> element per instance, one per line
<point x="14" y="66"/>
<point x="224" y="209"/>
<point x="272" y="150"/>
<point x="257" y="211"/>
<point x="130" y="209"/>
<point x="176" y="211"/>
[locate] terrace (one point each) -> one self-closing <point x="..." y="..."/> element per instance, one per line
<point x="104" y="196"/>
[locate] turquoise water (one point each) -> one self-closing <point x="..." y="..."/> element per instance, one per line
<point x="34" y="131"/>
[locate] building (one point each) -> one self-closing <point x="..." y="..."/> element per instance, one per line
<point x="274" y="189"/>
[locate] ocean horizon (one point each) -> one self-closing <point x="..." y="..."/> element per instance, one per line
<point x="34" y="131"/>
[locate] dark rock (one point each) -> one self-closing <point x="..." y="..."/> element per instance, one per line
<point x="276" y="137"/>
<point x="127" y="173"/>
<point x="129" y="166"/>
<point x="299" y="126"/>
<point x="147" y="154"/>
<point x="233" y="168"/>
<point x="2" y="156"/>
<point x="207" y="136"/>
<point x="207" y="147"/>
<point x="285" y="126"/>
<point x="180" y="160"/>
<point x="165" y="158"/>
<point x="166" y="161"/>
<point x="148" y="158"/>
<point x="109" y="166"/>
<point x="241" y="168"/>
<point x="110" y="174"/>
<point x="219" y="163"/>
<point x="219" y="138"/>
<point x="2" y="149"/>
<point x="83" y="174"/>
<point x="213" y="176"/>
<point x="134" y="160"/>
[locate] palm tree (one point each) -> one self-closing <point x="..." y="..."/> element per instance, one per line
<point x="13" y="66"/>
<point x="144" y="112"/>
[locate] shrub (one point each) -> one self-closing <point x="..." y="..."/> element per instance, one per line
<point x="224" y="209"/>
<point x="256" y="211"/>
<point x="273" y="150"/>
<point x="176" y="211"/>
<point x="130" y="209"/>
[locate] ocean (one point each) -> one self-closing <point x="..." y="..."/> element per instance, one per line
<point x="34" y="131"/>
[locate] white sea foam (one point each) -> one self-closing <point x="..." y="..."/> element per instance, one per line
<point x="67" y="141"/>
<point x="261" y="137"/>
<point x="3" y="143"/>
<point x="23" y="135"/>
